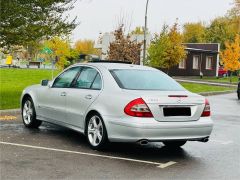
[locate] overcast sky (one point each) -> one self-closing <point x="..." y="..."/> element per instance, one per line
<point x="97" y="16"/>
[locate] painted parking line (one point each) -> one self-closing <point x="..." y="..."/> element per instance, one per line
<point x="6" y="117"/>
<point x="159" y="165"/>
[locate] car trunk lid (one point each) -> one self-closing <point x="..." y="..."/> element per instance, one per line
<point x="173" y="105"/>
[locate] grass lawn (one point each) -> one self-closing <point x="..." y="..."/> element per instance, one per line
<point x="198" y="88"/>
<point x="13" y="81"/>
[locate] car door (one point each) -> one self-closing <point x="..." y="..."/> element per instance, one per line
<point x="52" y="100"/>
<point x="85" y="90"/>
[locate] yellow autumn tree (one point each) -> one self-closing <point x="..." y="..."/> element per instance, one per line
<point x="230" y="57"/>
<point x="61" y="49"/>
<point x="85" y="47"/>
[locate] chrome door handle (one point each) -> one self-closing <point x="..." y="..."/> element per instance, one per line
<point x="89" y="96"/>
<point x="63" y="93"/>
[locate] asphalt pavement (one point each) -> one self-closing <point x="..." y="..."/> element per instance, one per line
<point x="53" y="152"/>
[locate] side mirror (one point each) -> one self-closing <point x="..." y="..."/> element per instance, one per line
<point x="44" y="82"/>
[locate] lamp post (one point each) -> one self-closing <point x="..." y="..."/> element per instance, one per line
<point x="145" y="33"/>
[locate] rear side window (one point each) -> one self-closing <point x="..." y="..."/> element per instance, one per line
<point x="65" y="79"/>
<point x="97" y="83"/>
<point x="135" y="79"/>
<point x="89" y="78"/>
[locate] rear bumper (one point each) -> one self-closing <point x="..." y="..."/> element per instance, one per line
<point x="135" y="129"/>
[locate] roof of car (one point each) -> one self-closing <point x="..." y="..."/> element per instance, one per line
<point x="117" y="66"/>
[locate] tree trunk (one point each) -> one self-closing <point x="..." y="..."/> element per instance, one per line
<point x="168" y="71"/>
<point x="231" y="77"/>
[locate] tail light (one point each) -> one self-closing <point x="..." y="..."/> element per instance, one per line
<point x="206" y="111"/>
<point x="138" y="108"/>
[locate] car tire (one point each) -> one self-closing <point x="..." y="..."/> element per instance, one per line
<point x="174" y="144"/>
<point x="29" y="114"/>
<point x="96" y="132"/>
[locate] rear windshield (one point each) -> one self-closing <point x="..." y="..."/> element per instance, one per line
<point x="135" y="79"/>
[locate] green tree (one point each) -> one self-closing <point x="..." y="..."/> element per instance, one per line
<point x="74" y="55"/>
<point x="194" y="32"/>
<point x="61" y="50"/>
<point x="158" y="50"/>
<point x="166" y="50"/>
<point x="138" y="30"/>
<point x="234" y="16"/>
<point x="235" y="10"/>
<point x="220" y="30"/>
<point x="26" y="21"/>
<point x="225" y="28"/>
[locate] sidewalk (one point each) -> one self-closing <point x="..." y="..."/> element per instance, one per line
<point x="9" y="111"/>
<point x="205" y="82"/>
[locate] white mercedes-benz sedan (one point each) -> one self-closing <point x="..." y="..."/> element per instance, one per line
<point x="119" y="102"/>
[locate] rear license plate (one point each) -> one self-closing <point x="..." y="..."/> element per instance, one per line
<point x="176" y="111"/>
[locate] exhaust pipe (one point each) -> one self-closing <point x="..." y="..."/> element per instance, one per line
<point x="206" y="139"/>
<point x="143" y="142"/>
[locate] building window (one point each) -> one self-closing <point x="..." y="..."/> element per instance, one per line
<point x="195" y="62"/>
<point x="209" y="60"/>
<point x="182" y="64"/>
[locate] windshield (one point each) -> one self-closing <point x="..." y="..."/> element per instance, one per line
<point x="135" y="79"/>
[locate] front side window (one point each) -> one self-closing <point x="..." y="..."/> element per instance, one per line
<point x="89" y="79"/>
<point x="135" y="79"/>
<point x="195" y="62"/>
<point x="65" y="79"/>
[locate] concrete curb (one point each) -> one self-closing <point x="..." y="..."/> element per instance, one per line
<point x="206" y="82"/>
<point x="223" y="83"/>
<point x="216" y="93"/>
<point x="11" y="111"/>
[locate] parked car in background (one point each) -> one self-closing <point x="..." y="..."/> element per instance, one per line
<point x="222" y="72"/>
<point x="119" y="102"/>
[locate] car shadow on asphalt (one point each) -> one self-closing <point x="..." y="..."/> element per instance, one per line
<point x="78" y="142"/>
<point x="54" y="136"/>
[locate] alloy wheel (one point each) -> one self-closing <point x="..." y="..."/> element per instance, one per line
<point x="95" y="131"/>
<point x="27" y="112"/>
